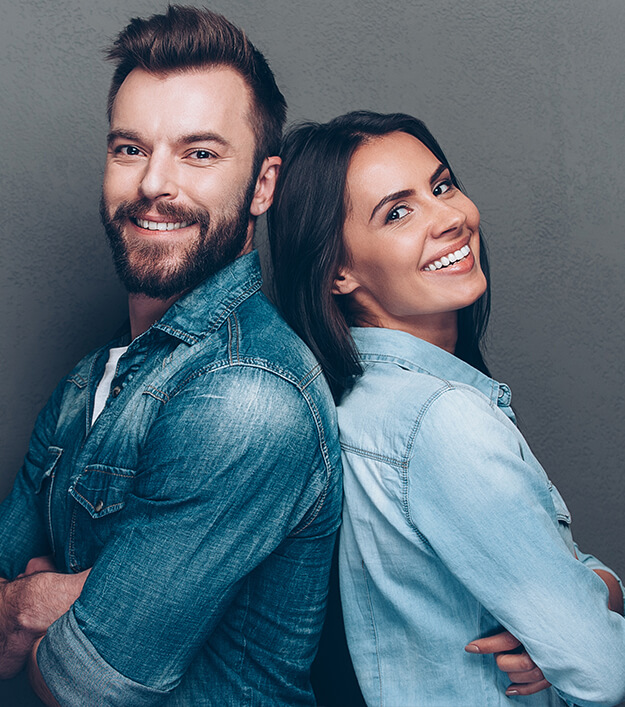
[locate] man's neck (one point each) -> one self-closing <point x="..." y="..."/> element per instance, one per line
<point x="145" y="311"/>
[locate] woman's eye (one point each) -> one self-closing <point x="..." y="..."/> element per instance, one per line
<point x="442" y="187"/>
<point x="397" y="213"/>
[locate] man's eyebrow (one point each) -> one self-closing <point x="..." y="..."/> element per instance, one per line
<point x="192" y="139"/>
<point x="391" y="197"/>
<point x="122" y="135"/>
<point x="204" y="137"/>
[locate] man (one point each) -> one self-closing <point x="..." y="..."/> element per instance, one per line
<point x="185" y="478"/>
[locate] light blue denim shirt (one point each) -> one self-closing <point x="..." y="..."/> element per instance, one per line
<point x="206" y="497"/>
<point x="451" y="530"/>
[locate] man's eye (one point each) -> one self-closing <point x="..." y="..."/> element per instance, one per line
<point x="442" y="187"/>
<point x="129" y="150"/>
<point x="202" y="154"/>
<point x="397" y="213"/>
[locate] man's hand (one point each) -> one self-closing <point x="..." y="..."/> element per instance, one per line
<point x="526" y="677"/>
<point x="38" y="564"/>
<point x="28" y="606"/>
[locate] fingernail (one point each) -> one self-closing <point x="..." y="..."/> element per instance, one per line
<point x="512" y="692"/>
<point x="472" y="648"/>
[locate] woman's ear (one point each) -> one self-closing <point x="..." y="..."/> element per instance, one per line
<point x="345" y="282"/>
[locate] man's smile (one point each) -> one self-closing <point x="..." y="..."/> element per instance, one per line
<point x="160" y="225"/>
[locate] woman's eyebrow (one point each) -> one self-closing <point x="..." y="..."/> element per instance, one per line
<point x="391" y="197"/>
<point x="441" y="168"/>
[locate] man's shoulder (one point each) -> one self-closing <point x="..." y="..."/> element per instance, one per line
<point x="256" y="335"/>
<point x="254" y="355"/>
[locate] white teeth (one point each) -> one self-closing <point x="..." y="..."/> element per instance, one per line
<point x="161" y="225"/>
<point x="449" y="259"/>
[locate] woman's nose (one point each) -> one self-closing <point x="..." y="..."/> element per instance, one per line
<point x="446" y="219"/>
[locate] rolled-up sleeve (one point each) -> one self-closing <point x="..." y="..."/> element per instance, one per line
<point x="231" y="466"/>
<point x="486" y="509"/>
<point x="91" y="679"/>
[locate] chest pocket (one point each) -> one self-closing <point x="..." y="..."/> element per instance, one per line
<point x="102" y="490"/>
<point x="563" y="515"/>
<point x="46" y="486"/>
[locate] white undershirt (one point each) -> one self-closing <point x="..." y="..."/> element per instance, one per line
<point x="104" y="386"/>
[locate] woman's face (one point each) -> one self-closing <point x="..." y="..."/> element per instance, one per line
<point x="412" y="239"/>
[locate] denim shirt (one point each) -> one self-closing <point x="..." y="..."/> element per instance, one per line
<point x="452" y="530"/>
<point x="206" y="498"/>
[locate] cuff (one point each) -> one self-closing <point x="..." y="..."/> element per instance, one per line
<point x="77" y="675"/>
<point x="595" y="564"/>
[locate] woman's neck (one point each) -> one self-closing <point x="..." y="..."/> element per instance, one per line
<point x="440" y="329"/>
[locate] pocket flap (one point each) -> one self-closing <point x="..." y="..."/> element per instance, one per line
<point x="562" y="512"/>
<point x="102" y="489"/>
<point x="52" y="457"/>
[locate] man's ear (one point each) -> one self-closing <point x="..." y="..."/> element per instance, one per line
<point x="345" y="282"/>
<point x="265" y="185"/>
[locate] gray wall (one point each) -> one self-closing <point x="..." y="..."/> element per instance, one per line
<point x="527" y="100"/>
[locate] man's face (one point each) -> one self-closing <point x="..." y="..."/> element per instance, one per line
<point x="178" y="180"/>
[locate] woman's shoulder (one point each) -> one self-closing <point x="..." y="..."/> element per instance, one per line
<point x="388" y="403"/>
<point x="390" y="387"/>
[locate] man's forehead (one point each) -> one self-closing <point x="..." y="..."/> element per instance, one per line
<point x="193" y="100"/>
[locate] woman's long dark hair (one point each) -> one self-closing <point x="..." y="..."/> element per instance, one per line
<point x="306" y="240"/>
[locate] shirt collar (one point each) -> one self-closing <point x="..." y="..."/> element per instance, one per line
<point x="412" y="353"/>
<point x="205" y="307"/>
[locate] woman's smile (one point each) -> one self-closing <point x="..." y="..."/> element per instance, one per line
<point x="444" y="261"/>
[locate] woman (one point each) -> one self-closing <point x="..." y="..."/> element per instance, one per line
<point x="451" y="529"/>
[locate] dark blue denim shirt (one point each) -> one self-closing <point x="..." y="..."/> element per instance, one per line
<point x="206" y="498"/>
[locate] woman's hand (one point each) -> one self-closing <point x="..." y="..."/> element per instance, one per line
<point x="615" y="600"/>
<point x="525" y="676"/>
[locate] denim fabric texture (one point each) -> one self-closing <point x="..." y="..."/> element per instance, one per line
<point x="206" y="497"/>
<point x="451" y="531"/>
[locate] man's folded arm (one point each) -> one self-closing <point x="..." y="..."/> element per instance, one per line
<point x="28" y="606"/>
<point x="200" y="518"/>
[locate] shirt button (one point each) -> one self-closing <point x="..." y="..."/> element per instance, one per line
<point x="99" y="505"/>
<point x="116" y="391"/>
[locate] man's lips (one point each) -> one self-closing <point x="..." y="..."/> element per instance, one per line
<point x="160" y="225"/>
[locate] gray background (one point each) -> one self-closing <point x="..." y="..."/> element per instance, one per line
<point x="527" y="100"/>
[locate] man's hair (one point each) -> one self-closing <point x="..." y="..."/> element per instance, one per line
<point x="190" y="38"/>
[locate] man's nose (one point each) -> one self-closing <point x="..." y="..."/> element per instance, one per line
<point x="158" y="180"/>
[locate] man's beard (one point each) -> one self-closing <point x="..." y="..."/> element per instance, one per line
<point x="161" y="270"/>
